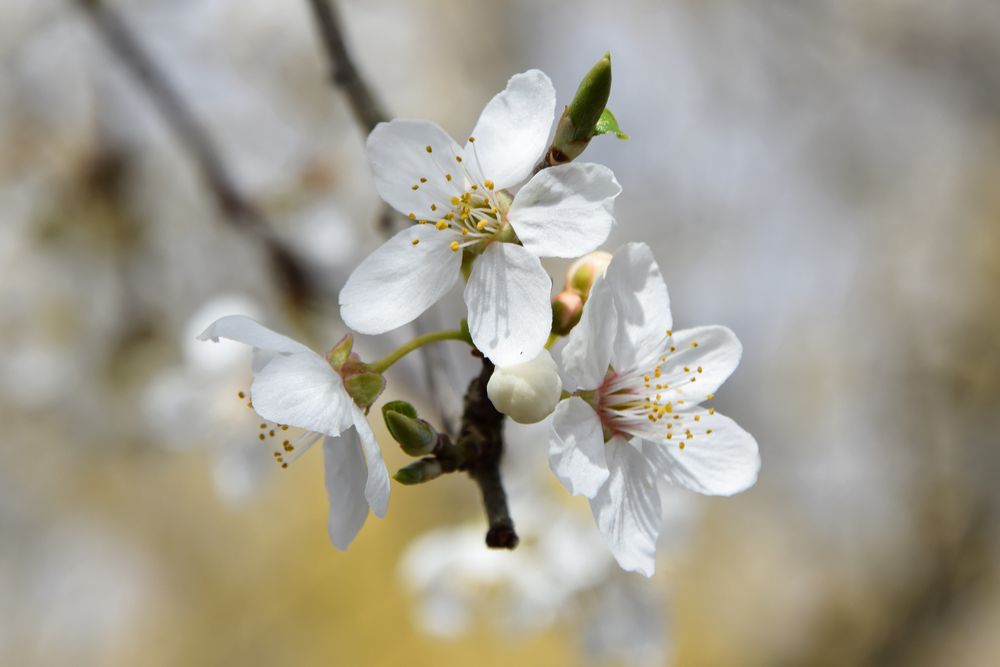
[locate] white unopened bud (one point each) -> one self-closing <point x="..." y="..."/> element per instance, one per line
<point x="583" y="272"/>
<point x="526" y="392"/>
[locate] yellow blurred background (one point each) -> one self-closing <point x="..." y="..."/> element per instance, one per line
<point x="821" y="177"/>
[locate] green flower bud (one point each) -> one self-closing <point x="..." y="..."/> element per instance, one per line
<point x="414" y="435"/>
<point x="579" y="121"/>
<point x="583" y="272"/>
<point x="567" y="307"/>
<point x="418" y="472"/>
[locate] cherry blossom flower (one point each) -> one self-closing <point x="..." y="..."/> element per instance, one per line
<point x="637" y="413"/>
<point x="294" y="387"/>
<point x="461" y="202"/>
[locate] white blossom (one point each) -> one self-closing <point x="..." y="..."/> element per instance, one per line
<point x="527" y="392"/>
<point x="461" y="201"/>
<point x="637" y="413"/>
<point x="296" y="387"/>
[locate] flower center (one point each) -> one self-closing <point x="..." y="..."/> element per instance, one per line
<point x="628" y="403"/>
<point x="471" y="208"/>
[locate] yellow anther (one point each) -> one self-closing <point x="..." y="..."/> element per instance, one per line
<point x="711" y="411"/>
<point x="447" y="177"/>
<point x="449" y="216"/>
<point x="458" y="158"/>
<point x="454" y="246"/>
<point x="646" y="377"/>
<point x="263" y="426"/>
<point x="681" y="445"/>
<point x="241" y="395"/>
<point x="465" y="231"/>
<point x="669" y="407"/>
<point x="693" y="379"/>
<point x="442" y="224"/>
<point x="284" y="465"/>
<point x="708" y="431"/>
<point x="261" y="436"/>
<point x="699" y="369"/>
<point x="657" y="372"/>
<point x="694" y="343"/>
<point x="413" y="216"/>
<point x="673" y="349"/>
<point x="474" y="186"/>
<point x="488" y="183"/>
<point x="434" y="207"/>
<point x="481" y="225"/>
<point x="710" y="396"/>
<point x="423" y="180"/>
<point x="415" y="241"/>
<point x="454" y="201"/>
<point x="428" y="149"/>
<point x="670" y="436"/>
<point x="414" y="187"/>
<point x="670" y="332"/>
<point x="687" y="369"/>
<point x="697" y="418"/>
<point x="472" y="140"/>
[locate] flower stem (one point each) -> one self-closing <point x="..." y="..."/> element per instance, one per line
<point x="388" y="360"/>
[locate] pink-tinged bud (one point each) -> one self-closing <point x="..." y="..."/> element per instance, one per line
<point x="583" y="272"/>
<point x="567" y="307"/>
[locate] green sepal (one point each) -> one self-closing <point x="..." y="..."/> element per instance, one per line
<point x="364" y="387"/>
<point x="466" y="334"/>
<point x="608" y="124"/>
<point x="341" y="352"/>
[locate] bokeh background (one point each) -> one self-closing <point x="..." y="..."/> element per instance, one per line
<point x="820" y="176"/>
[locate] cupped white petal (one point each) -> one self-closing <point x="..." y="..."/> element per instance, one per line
<point x="565" y="211"/>
<point x="513" y="131"/>
<point x="587" y="353"/>
<point x="302" y="390"/>
<point x="508" y="300"/>
<point x="344" y="475"/>
<point x="400" y="280"/>
<point x="527" y="392"/>
<point x="720" y="460"/>
<point x="246" y="330"/>
<point x="576" y="448"/>
<point x="408" y="176"/>
<point x="703" y="358"/>
<point x="641" y="301"/>
<point x="377" y="477"/>
<point x="627" y="508"/>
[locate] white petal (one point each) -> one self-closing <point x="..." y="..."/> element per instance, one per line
<point x="377" y="484"/>
<point x="627" y="508"/>
<point x="708" y="355"/>
<point x="246" y="330"/>
<point x="344" y="474"/>
<point x="510" y="315"/>
<point x="720" y="463"/>
<point x="513" y="131"/>
<point x="565" y="211"/>
<point x="400" y="280"/>
<point x="576" y="448"/>
<point x="397" y="151"/>
<point x="642" y="303"/>
<point x="302" y="390"/>
<point x="587" y="353"/>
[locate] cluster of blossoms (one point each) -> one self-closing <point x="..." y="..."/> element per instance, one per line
<point x="626" y="392"/>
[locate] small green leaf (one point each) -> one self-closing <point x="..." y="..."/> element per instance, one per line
<point x="401" y="407"/>
<point x="418" y="472"/>
<point x="608" y="124"/>
<point x="415" y="436"/>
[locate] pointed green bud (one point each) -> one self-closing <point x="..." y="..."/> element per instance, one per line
<point x="582" y="273"/>
<point x="341" y="352"/>
<point x="364" y="387"/>
<point x="590" y="99"/>
<point x="414" y="435"/>
<point x="579" y="121"/>
<point x="418" y="472"/>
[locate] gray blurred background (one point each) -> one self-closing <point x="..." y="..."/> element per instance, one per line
<point x="819" y="176"/>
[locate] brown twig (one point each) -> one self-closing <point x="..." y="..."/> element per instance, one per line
<point x="237" y="209"/>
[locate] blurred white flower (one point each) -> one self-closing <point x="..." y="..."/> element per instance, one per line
<point x="296" y="387"/>
<point x="636" y="414"/>
<point x="461" y="196"/>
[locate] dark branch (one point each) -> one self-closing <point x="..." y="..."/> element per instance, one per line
<point x="343" y="73"/>
<point x="237" y="209"/>
<point x="478" y="451"/>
